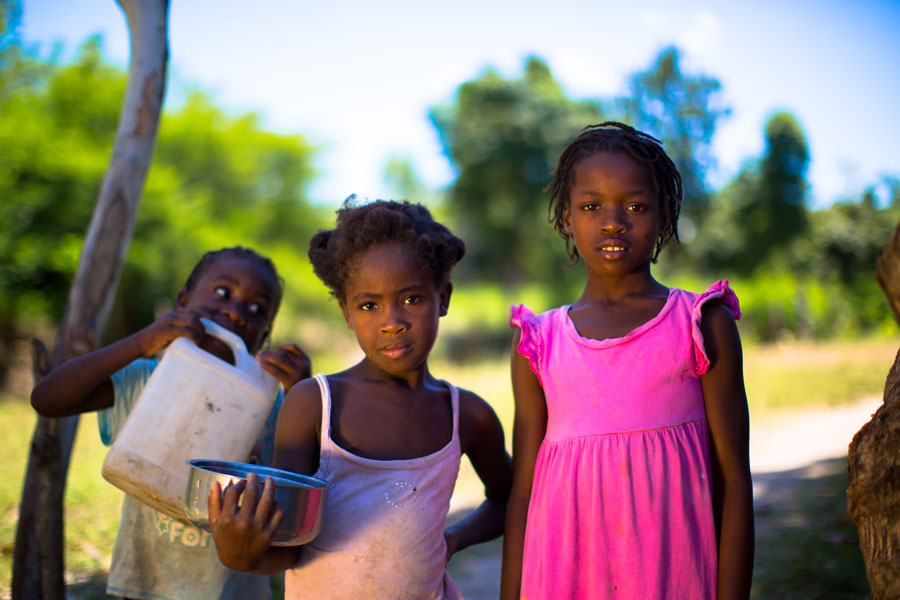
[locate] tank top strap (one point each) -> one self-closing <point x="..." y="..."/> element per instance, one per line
<point x="325" y="392"/>
<point x="454" y="405"/>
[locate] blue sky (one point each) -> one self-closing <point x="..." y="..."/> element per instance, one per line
<point x="357" y="78"/>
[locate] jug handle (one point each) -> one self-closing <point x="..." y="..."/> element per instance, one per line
<point x="243" y="360"/>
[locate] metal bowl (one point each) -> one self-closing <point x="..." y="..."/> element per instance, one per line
<point x="302" y="498"/>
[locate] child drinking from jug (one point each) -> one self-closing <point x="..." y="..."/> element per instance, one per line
<point x="156" y="557"/>
<point x="386" y="432"/>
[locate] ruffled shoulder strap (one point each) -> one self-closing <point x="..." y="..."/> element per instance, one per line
<point x="524" y="319"/>
<point x="720" y="292"/>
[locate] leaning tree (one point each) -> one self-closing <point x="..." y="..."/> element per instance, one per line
<point x="873" y="497"/>
<point x="38" y="565"/>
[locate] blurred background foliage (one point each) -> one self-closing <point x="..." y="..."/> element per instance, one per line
<point x="220" y="179"/>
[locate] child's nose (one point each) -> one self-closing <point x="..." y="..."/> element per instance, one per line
<point x="613" y="221"/>
<point x="394" y="321"/>
<point x="235" y="311"/>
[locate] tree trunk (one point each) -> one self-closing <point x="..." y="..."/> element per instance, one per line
<point x="38" y="566"/>
<point x="873" y="466"/>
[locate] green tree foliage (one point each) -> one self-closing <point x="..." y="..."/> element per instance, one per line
<point x="56" y="136"/>
<point x="216" y="181"/>
<point x="682" y="110"/>
<point x="504" y="136"/>
<point x="757" y="216"/>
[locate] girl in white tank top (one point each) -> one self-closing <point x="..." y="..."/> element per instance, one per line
<point x="385" y="431"/>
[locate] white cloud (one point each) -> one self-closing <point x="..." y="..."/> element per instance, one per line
<point x="702" y="34"/>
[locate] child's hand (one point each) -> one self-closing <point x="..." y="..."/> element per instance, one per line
<point x="181" y="322"/>
<point x="289" y="364"/>
<point x="243" y="533"/>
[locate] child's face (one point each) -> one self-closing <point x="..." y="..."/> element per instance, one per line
<point x="238" y="295"/>
<point x="393" y="305"/>
<point x="613" y="213"/>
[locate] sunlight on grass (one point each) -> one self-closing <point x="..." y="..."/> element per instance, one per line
<point x="798" y="375"/>
<point x="91" y="504"/>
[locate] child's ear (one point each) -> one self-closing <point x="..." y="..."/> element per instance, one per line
<point x="446" y="291"/>
<point x="181" y="299"/>
<point x="567" y="224"/>
<point x="344" y="310"/>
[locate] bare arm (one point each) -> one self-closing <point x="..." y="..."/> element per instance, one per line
<point x="727" y="413"/>
<point x="529" y="428"/>
<point x="83" y="383"/>
<point x="243" y="528"/>
<point x="481" y="438"/>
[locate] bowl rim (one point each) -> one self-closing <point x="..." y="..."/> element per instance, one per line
<point x="291" y="479"/>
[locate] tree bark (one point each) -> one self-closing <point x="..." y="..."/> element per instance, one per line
<point x="38" y="566"/>
<point x="873" y="465"/>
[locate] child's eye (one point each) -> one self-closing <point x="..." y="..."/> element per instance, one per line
<point x="412" y="299"/>
<point x="255" y="307"/>
<point x="367" y="306"/>
<point x="639" y="208"/>
<point x="589" y="206"/>
<point x="222" y="292"/>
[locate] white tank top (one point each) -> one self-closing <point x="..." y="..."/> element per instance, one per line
<point x="383" y="531"/>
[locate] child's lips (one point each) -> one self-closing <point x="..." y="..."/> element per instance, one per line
<point x="612" y="248"/>
<point x="396" y="351"/>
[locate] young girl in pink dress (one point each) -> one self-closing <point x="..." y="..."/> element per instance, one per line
<point x="630" y="443"/>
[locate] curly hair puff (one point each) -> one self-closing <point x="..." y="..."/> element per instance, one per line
<point x="612" y="136"/>
<point x="361" y="226"/>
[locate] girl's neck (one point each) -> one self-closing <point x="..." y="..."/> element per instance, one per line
<point x="412" y="380"/>
<point x="614" y="290"/>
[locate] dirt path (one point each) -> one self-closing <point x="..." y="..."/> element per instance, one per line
<point x="784" y="447"/>
<point x="790" y="440"/>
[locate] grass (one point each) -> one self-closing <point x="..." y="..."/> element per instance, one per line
<point x="800" y="375"/>
<point x="822" y="559"/>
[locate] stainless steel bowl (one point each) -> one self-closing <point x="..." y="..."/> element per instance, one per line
<point x="302" y="498"/>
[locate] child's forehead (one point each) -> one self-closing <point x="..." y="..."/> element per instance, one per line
<point x="389" y="261"/>
<point x="388" y="256"/>
<point x="239" y="269"/>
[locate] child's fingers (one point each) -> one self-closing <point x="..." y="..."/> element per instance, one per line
<point x="214" y="502"/>
<point x="269" y="514"/>
<point x="275" y="522"/>
<point x="251" y="497"/>
<point x="267" y="503"/>
<point x="295" y="349"/>
<point x="231" y="497"/>
<point x="285" y="364"/>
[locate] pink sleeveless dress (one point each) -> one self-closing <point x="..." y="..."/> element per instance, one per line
<point x="621" y="505"/>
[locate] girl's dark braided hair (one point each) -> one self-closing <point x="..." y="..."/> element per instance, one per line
<point x="242" y="253"/>
<point x="612" y="136"/>
<point x="361" y="226"/>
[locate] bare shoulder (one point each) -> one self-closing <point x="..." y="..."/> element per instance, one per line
<point x="716" y="314"/>
<point x="302" y="401"/>
<point x="720" y="333"/>
<point x="477" y="419"/>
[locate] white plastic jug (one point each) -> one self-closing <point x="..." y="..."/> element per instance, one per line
<point x="194" y="405"/>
